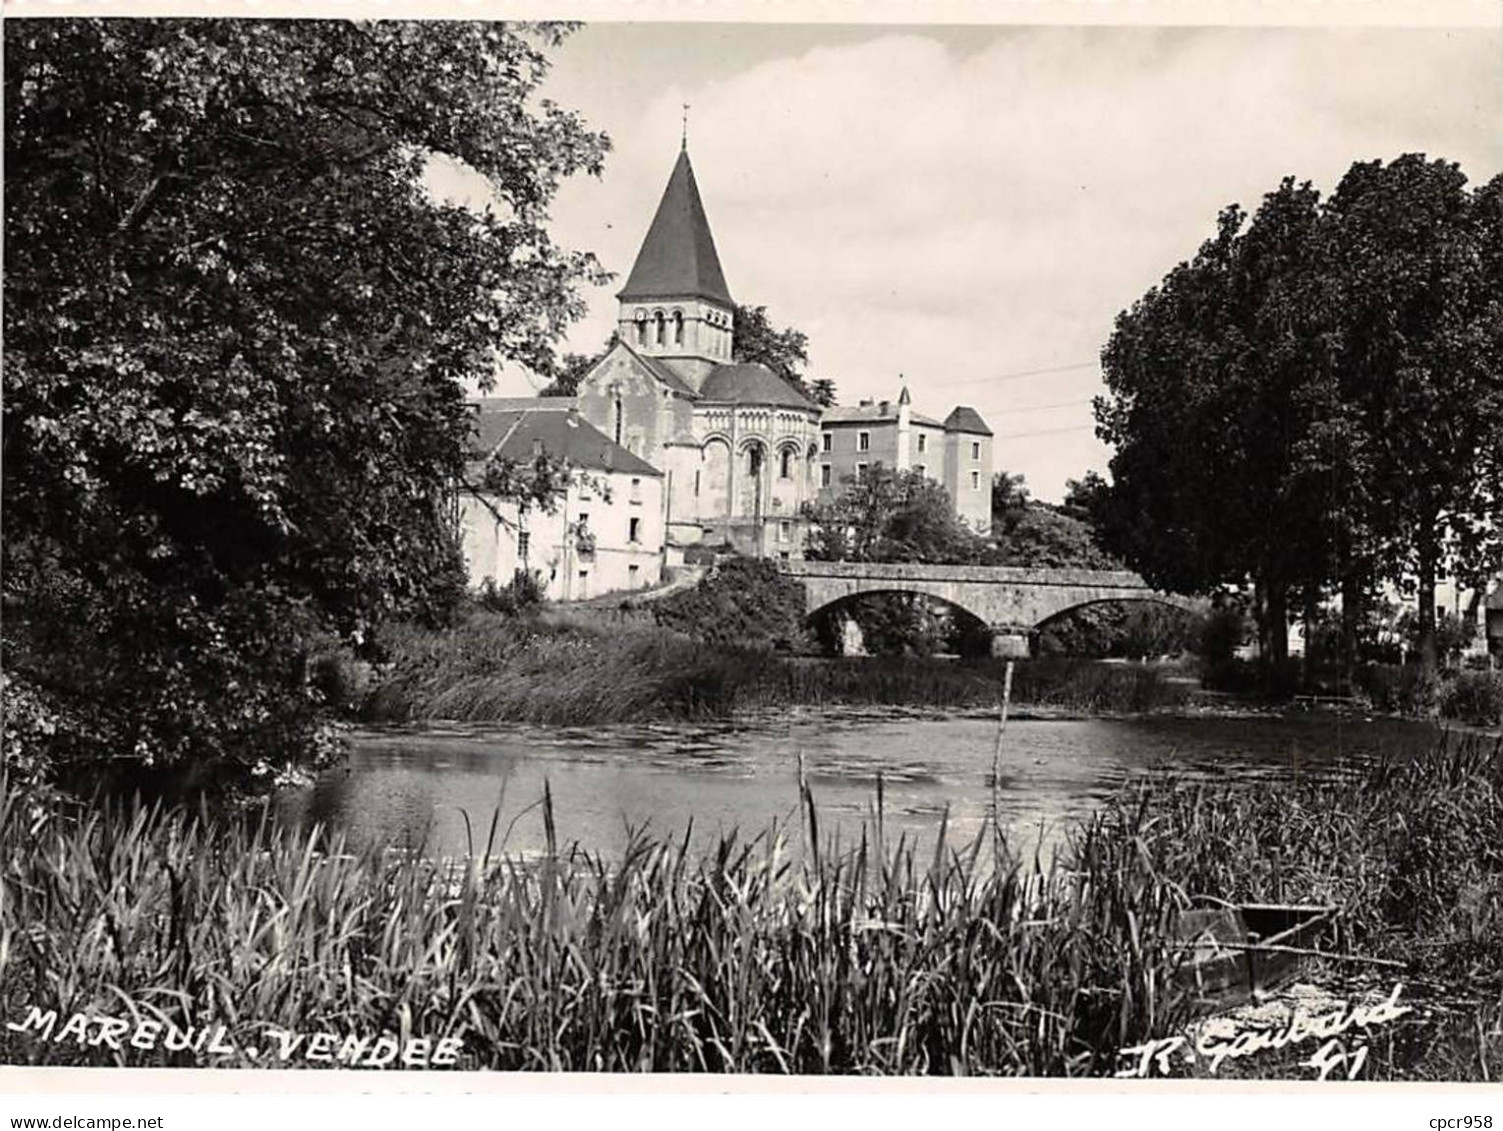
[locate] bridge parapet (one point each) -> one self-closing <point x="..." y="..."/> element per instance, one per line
<point x="990" y="575"/>
<point x="1011" y="600"/>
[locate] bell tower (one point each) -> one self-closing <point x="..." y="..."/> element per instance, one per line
<point x="675" y="304"/>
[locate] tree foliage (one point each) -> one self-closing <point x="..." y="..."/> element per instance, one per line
<point x="236" y="326"/>
<point x="1315" y="401"/>
<point x="891" y="516"/>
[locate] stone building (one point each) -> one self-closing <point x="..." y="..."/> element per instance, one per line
<point x="604" y="535"/>
<point x="956" y="452"/>
<point x="737" y="444"/>
<point x="723" y="454"/>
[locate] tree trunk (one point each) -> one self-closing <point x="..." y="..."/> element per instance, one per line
<point x="1351" y="622"/>
<point x="1278" y="623"/>
<point x="1426" y="610"/>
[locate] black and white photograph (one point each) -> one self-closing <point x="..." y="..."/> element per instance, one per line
<point x="749" y="545"/>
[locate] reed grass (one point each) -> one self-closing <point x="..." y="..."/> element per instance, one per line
<point x="573" y="670"/>
<point x="873" y="957"/>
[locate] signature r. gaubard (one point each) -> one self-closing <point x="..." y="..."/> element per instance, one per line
<point x="1213" y="1045"/>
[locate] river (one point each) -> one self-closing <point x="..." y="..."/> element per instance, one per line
<point x="414" y="787"/>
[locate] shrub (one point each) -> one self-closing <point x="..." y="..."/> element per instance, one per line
<point x="1474" y="697"/>
<point x="523" y="592"/>
<point x="1403" y="690"/>
<point x="742" y="603"/>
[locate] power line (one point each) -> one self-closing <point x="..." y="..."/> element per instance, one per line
<point x="1043" y="432"/>
<point x="1020" y="374"/>
<point x="1056" y="404"/>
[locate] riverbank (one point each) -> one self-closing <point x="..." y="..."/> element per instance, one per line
<point x="575" y="671"/>
<point x="601" y="666"/>
<point x="888" y="959"/>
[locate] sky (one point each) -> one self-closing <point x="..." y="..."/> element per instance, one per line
<point x="967" y="209"/>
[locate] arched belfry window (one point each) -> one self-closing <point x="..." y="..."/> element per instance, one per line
<point x="658" y="319"/>
<point x="785" y="465"/>
<point x="641" y="327"/>
<point x="678" y="327"/>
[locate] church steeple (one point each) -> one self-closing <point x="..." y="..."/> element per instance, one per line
<point x="678" y="258"/>
<point x="675" y="303"/>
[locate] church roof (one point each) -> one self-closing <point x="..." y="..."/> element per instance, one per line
<point x="964" y="418"/>
<point x="662" y="371"/>
<point x="750" y="382"/>
<point x="678" y="256"/>
<point x="519" y="435"/>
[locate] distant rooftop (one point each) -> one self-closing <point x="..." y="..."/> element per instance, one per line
<point x="964" y="418"/>
<point x="868" y="412"/>
<point x="520" y="434"/>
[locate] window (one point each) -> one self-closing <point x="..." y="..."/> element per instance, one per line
<point x="678" y="327"/>
<point x="523" y="538"/>
<point x="785" y="464"/>
<point x="784" y="531"/>
<point x="824" y="475"/>
<point x="863" y="441"/>
<point x="632" y="573"/>
<point x="918" y="467"/>
<point x="923" y="442"/>
<point x="827" y="442"/>
<point x="636" y="490"/>
<point x="641" y="327"/>
<point x="634" y="530"/>
<point x="783" y="555"/>
<point x="619" y="417"/>
<point x="975" y="450"/>
<point x="696" y="484"/>
<point x="860" y="473"/>
<point x="975" y="481"/>
<point x="657" y="320"/>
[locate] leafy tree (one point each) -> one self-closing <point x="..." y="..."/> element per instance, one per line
<point x="785" y="352"/>
<point x="1313" y="402"/>
<point x="891" y="516"/>
<point x="572" y="368"/>
<point x="1046" y="537"/>
<point x="1009" y="500"/>
<point x="236" y="326"/>
<point x="1415" y="291"/>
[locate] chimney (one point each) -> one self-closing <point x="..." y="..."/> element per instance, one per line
<point x="866" y="402"/>
<point x="884" y="407"/>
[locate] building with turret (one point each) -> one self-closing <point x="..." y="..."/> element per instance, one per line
<point x="739" y="452"/>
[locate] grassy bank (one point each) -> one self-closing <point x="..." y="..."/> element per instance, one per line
<point x="576" y="670"/>
<point x="888" y="959"/>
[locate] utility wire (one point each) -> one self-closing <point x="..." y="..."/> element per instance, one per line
<point x="1043" y="432"/>
<point x="1042" y="407"/>
<point x="1019" y="375"/>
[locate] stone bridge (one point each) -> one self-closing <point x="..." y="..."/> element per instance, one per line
<point x="1012" y="601"/>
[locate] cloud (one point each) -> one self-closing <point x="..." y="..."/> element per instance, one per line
<point x="959" y="213"/>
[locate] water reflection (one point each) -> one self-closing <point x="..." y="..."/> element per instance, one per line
<point x="415" y="786"/>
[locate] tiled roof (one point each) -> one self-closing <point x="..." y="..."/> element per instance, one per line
<point x="964" y="418"/>
<point x="530" y="404"/>
<point x="517" y="435"/>
<point x="750" y="382"/>
<point x="873" y="413"/>
<point x="663" y="371"/>
<point x="678" y="256"/>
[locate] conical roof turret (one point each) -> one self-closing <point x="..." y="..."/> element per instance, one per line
<point x="678" y="258"/>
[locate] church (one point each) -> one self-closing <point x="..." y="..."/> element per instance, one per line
<point x="738" y="450"/>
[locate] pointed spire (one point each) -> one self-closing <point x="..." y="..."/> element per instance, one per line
<point x="678" y="258"/>
<point x="903" y="397"/>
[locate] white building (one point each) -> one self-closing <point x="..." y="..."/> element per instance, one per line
<point x="603" y="535"/>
